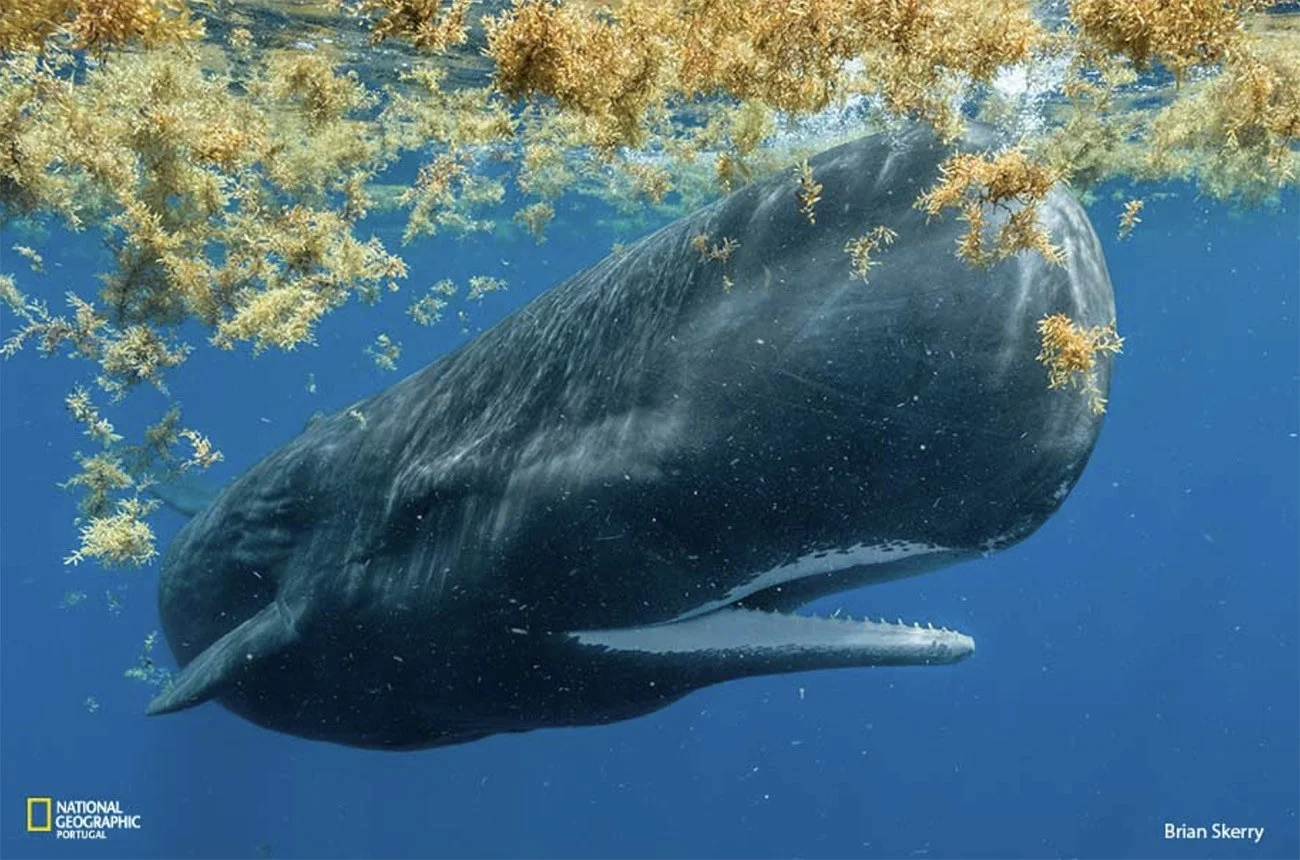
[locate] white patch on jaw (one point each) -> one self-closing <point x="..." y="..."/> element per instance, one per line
<point x="816" y="563"/>
<point x="801" y="642"/>
<point x="1061" y="491"/>
<point x="995" y="543"/>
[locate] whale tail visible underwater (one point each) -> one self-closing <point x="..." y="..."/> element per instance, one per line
<point x="621" y="493"/>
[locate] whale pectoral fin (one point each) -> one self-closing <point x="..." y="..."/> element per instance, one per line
<point x="213" y="671"/>
<point x="185" y="495"/>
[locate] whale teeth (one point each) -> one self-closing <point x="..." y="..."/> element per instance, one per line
<point x="929" y="624"/>
<point x="916" y="624"/>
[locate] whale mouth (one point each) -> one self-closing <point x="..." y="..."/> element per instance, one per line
<point x="747" y="629"/>
<point x="771" y="614"/>
<point x="755" y="621"/>
<point x="804" y="641"/>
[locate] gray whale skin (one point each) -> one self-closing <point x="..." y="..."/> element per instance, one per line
<point x="619" y="494"/>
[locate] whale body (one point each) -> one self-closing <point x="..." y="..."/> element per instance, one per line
<point x="622" y="492"/>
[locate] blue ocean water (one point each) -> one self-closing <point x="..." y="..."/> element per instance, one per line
<point x="1137" y="660"/>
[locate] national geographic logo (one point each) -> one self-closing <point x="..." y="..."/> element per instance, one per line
<point x="78" y="819"/>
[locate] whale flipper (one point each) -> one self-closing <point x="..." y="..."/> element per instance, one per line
<point x="221" y="663"/>
<point x="185" y="495"/>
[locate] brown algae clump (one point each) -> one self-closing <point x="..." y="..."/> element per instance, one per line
<point x="1070" y="354"/>
<point x="976" y="185"/>
<point x="94" y="25"/>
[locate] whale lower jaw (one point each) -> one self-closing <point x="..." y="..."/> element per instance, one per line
<point x="753" y="641"/>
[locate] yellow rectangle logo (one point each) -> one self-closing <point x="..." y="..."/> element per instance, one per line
<point x="34" y="804"/>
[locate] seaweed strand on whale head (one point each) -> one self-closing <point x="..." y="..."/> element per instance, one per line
<point x="1069" y="352"/>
